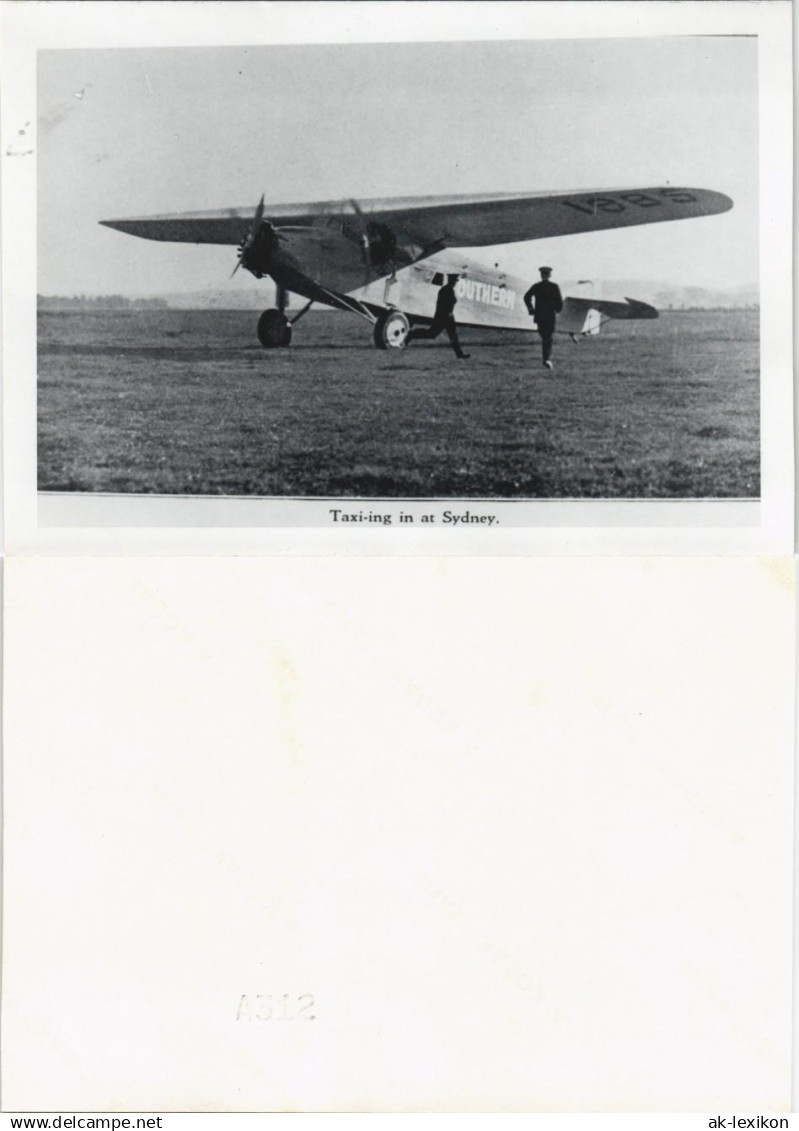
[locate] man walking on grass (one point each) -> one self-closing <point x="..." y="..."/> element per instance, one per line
<point x="545" y="302"/>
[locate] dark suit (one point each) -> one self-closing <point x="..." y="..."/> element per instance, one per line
<point x="545" y="302"/>
<point x="443" y="319"/>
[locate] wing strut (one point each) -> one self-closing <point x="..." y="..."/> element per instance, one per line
<point x="304" y="310"/>
<point x="348" y="303"/>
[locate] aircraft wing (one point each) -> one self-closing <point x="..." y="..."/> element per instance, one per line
<point x="435" y="222"/>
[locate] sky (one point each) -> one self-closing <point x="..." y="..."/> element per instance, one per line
<point x="129" y="132"/>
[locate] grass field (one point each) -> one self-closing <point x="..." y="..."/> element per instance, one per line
<point x="179" y="402"/>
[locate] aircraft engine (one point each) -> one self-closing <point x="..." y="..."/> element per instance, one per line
<point x="381" y="243"/>
<point x="258" y="245"/>
<point x="257" y="248"/>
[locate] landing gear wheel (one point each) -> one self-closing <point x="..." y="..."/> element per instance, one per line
<point x="274" y="329"/>
<point x="391" y="331"/>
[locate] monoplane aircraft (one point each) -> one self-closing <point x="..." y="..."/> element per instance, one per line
<point x="385" y="259"/>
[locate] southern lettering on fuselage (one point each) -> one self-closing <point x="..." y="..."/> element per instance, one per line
<point x="488" y="293"/>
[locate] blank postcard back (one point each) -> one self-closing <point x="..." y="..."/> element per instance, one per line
<point x="473" y="834"/>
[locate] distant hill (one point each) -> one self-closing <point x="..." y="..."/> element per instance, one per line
<point x="99" y="302"/>
<point x="661" y="295"/>
<point x="666" y="296"/>
<point x="251" y="298"/>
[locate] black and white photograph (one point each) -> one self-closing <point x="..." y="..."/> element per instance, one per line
<point x="454" y="271"/>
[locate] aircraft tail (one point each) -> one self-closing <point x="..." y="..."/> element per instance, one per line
<point x="585" y="316"/>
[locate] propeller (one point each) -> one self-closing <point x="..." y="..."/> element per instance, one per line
<point x="364" y="240"/>
<point x="248" y="242"/>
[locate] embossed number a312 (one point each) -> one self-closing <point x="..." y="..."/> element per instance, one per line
<point x="276" y="1007"/>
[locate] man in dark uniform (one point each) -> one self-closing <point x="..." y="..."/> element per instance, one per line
<point x="545" y="302"/>
<point x="443" y="319"/>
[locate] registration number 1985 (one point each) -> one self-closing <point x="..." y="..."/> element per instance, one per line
<point x="619" y="202"/>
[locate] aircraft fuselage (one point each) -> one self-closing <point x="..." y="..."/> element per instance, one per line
<point x="312" y="260"/>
